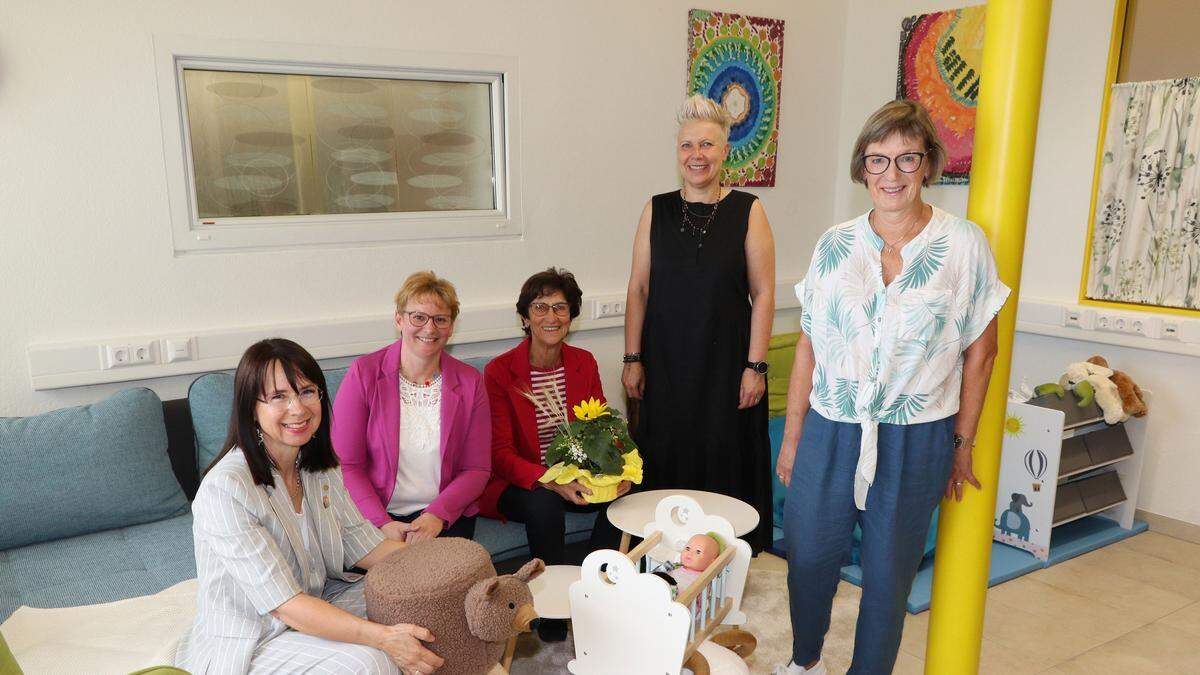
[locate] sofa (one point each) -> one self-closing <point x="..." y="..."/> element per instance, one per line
<point x="94" y="499"/>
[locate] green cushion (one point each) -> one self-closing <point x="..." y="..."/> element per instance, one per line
<point x="86" y="469"/>
<point x="8" y="662"/>
<point x="781" y="352"/>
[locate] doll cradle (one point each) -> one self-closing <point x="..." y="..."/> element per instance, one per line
<point x="625" y="618"/>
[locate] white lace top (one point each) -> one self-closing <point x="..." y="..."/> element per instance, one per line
<point x="419" y="469"/>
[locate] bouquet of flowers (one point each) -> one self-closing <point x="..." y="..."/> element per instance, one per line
<point x="594" y="449"/>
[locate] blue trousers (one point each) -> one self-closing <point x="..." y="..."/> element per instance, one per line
<point x="913" y="466"/>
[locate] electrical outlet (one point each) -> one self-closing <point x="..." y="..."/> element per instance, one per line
<point x="1146" y="326"/>
<point x="120" y="355"/>
<point x="142" y="353"/>
<point x="608" y="309"/>
<point x="114" y="356"/>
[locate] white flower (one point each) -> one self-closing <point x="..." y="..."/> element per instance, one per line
<point x="576" y="453"/>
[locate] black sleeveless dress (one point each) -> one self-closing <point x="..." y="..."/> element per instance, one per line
<point x="695" y="341"/>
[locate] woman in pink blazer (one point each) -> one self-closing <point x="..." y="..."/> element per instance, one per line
<point x="412" y="425"/>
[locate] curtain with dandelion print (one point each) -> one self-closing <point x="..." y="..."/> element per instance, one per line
<point x="1146" y="238"/>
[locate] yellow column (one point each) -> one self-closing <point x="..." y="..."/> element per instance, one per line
<point x="1014" y="50"/>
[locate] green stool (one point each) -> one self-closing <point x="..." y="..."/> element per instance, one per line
<point x="8" y="662"/>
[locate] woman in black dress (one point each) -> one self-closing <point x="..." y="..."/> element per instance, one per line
<point x="698" y="319"/>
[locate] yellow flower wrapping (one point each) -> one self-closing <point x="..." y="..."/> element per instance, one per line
<point x="604" y="488"/>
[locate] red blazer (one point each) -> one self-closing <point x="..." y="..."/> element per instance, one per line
<point x="516" y="455"/>
<point x="366" y="435"/>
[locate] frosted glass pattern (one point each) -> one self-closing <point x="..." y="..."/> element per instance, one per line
<point x="267" y="144"/>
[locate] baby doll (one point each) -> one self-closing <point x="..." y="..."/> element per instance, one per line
<point x="699" y="552"/>
<point x="697" y="555"/>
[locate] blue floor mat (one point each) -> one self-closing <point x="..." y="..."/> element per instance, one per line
<point x="1069" y="541"/>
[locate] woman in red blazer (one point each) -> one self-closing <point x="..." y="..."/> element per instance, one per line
<point x="548" y="302"/>
<point x="412" y="425"/>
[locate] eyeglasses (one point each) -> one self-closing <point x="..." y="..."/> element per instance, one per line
<point x="908" y="162"/>
<point x="280" y="401"/>
<point x="541" y="308"/>
<point x="419" y="319"/>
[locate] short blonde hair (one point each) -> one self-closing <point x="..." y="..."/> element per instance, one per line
<point x="699" y="108"/>
<point x="426" y="284"/>
<point x="905" y="118"/>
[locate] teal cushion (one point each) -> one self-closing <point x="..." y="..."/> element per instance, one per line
<point x="210" y="399"/>
<point x="86" y="469"/>
<point x="507" y="540"/>
<point x="98" y="567"/>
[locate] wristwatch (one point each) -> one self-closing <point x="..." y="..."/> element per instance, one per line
<point x="759" y="367"/>
<point x="959" y="441"/>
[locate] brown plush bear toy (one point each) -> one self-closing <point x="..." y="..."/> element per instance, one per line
<point x="449" y="586"/>
<point x="1131" y="395"/>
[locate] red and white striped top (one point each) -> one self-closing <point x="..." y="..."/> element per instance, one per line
<point x="547" y="381"/>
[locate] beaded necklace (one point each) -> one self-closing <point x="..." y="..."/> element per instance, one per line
<point x="698" y="228"/>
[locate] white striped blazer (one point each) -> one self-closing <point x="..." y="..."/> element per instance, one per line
<point x="250" y="557"/>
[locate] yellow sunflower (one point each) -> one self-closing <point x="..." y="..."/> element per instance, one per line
<point x="590" y="409"/>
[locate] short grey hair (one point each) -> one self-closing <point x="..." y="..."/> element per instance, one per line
<point x="905" y="118"/>
<point x="700" y="108"/>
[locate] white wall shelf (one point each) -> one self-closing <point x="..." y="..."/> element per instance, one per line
<point x="1062" y="463"/>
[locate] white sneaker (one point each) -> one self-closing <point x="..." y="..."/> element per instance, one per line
<point x="792" y="669"/>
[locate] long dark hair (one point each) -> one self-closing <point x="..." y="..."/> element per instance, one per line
<point x="254" y="373"/>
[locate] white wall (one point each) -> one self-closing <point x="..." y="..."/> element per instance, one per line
<point x="1076" y="58"/>
<point x="87" y="252"/>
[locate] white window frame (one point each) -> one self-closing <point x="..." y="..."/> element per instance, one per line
<point x="174" y="53"/>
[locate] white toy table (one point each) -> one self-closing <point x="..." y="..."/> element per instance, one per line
<point x="551" y="599"/>
<point x="633" y="512"/>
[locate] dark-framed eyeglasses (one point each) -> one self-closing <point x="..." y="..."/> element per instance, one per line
<point x="541" y="308"/>
<point x="307" y="397"/>
<point x="908" y="162"/>
<point x="419" y="319"/>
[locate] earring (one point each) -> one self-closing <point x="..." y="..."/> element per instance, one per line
<point x="258" y="433"/>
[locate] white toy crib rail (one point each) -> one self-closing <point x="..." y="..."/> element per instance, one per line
<point x="704" y="598"/>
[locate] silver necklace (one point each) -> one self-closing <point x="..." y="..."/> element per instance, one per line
<point x="892" y="246"/>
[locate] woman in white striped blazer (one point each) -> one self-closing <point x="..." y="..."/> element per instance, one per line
<point x="275" y="532"/>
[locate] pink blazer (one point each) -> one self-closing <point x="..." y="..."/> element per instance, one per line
<point x="366" y="435"/>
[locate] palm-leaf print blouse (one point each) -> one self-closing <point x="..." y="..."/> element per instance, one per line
<point x="893" y="354"/>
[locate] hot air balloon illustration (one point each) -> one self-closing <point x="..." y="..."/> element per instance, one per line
<point x="1035" y="464"/>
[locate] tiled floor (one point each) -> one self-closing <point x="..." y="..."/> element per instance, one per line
<point x="1132" y="607"/>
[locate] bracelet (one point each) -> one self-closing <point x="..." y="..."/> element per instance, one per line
<point x="632" y="357"/>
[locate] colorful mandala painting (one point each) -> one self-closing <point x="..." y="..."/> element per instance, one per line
<point x="940" y="56"/>
<point x="738" y="61"/>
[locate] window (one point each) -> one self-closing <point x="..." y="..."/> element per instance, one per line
<point x="267" y="147"/>
<point x="1143" y="249"/>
